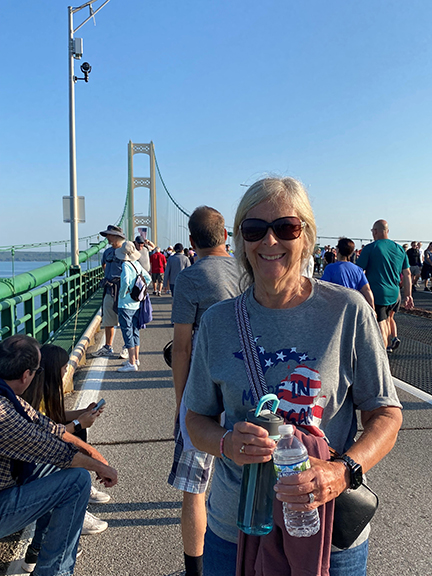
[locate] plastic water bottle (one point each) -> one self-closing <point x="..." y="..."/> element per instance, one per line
<point x="291" y="457"/>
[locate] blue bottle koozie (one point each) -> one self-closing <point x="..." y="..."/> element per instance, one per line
<point x="255" y="513"/>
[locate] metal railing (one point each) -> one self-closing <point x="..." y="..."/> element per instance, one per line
<point x="42" y="305"/>
<point x="42" y="311"/>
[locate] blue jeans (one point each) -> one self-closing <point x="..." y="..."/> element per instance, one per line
<point x="61" y="499"/>
<point x="352" y="561"/>
<point x="129" y="325"/>
<point x="220" y="558"/>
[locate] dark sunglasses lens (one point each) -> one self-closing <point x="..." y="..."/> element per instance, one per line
<point x="287" y="228"/>
<point x="253" y="230"/>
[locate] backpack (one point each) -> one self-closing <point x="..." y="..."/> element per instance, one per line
<point x="139" y="289"/>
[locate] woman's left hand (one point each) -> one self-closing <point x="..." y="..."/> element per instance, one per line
<point x="324" y="481"/>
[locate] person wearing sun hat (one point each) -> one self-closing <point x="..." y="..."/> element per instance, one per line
<point x="112" y="269"/>
<point x="128" y="309"/>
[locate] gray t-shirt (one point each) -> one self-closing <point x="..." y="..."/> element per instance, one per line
<point x="175" y="264"/>
<point x="144" y="259"/>
<point x="210" y="280"/>
<point x="324" y="358"/>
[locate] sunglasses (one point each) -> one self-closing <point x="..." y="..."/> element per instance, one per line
<point x="39" y="370"/>
<point x="286" y="228"/>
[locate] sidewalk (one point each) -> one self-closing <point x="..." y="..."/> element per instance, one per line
<point x="135" y="435"/>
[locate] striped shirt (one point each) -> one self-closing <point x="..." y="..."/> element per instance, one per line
<point x="39" y="441"/>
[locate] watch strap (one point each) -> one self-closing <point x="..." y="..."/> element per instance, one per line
<point x="355" y="469"/>
<point x="77" y="425"/>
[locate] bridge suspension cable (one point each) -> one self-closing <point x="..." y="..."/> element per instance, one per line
<point x="172" y="217"/>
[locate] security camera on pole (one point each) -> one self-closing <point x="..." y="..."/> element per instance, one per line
<point x="75" y="213"/>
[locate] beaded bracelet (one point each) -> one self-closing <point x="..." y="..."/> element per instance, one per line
<point x="221" y="446"/>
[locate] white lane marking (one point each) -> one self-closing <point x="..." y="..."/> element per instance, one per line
<point x="90" y="391"/>
<point x="412" y="390"/>
<point x="92" y="384"/>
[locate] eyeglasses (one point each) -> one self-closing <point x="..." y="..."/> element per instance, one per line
<point x="286" y="228"/>
<point x="39" y="370"/>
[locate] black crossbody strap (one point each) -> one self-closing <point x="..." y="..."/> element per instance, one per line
<point x="252" y="364"/>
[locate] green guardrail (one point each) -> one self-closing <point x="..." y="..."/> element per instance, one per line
<point x="43" y="312"/>
<point x="38" y="304"/>
<point x="29" y="280"/>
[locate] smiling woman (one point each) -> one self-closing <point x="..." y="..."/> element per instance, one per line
<point x="304" y="331"/>
<point x="272" y="199"/>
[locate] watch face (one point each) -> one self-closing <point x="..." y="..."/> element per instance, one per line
<point x="356" y="476"/>
<point x="356" y="472"/>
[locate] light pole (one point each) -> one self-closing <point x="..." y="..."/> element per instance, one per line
<point x="75" y="52"/>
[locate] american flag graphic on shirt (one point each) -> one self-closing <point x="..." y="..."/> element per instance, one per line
<point x="299" y="393"/>
<point x="300" y="402"/>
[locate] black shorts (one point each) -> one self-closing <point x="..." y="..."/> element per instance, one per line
<point x="157" y="277"/>
<point x="383" y="311"/>
<point x="426" y="272"/>
<point x="396" y="305"/>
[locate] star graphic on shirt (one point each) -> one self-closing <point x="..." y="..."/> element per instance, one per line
<point x="269" y="359"/>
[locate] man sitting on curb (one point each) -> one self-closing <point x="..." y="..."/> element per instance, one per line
<point x="42" y="472"/>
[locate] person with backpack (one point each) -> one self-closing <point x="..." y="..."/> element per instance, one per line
<point x="131" y="293"/>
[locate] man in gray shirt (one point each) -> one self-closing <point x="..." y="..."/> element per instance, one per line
<point x="175" y="264"/>
<point x="144" y="246"/>
<point x="213" y="278"/>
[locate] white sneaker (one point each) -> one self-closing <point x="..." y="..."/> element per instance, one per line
<point x="124" y="354"/>
<point x="97" y="497"/>
<point x="93" y="525"/>
<point x="127" y="362"/>
<point x="128" y="367"/>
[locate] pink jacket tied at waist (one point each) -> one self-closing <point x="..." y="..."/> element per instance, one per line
<point x="278" y="553"/>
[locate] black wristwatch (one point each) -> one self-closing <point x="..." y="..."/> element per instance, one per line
<point x="77" y="425"/>
<point x="355" y="470"/>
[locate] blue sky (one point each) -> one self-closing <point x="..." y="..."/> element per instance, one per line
<point x="334" y="93"/>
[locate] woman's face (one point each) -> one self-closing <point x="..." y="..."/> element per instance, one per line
<point x="274" y="260"/>
<point x="63" y="370"/>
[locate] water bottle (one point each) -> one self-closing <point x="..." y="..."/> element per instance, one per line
<point x="291" y="457"/>
<point x="255" y="512"/>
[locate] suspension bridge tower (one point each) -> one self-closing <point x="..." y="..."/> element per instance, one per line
<point x="136" y="182"/>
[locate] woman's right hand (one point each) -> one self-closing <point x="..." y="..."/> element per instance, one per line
<point x="248" y="444"/>
<point x="87" y="418"/>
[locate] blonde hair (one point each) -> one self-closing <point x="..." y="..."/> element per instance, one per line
<point x="274" y="190"/>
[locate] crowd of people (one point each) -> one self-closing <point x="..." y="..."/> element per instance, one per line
<point x="320" y="336"/>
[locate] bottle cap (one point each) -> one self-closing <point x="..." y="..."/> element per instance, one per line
<point x="286" y="430"/>
<point x="267" y="419"/>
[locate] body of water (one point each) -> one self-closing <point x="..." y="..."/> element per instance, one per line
<point x="19" y="267"/>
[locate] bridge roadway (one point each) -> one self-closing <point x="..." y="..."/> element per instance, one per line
<point x="135" y="435"/>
